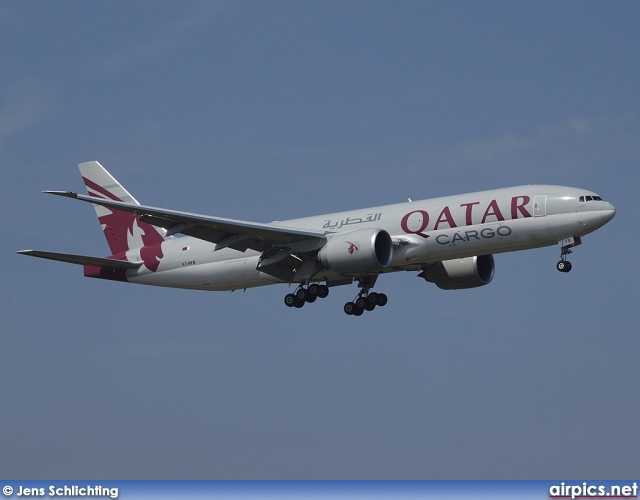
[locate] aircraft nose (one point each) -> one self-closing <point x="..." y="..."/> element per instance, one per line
<point x="608" y="213"/>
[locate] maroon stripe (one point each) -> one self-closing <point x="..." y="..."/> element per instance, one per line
<point x="99" y="189"/>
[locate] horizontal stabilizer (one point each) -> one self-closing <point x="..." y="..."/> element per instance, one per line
<point x="82" y="259"/>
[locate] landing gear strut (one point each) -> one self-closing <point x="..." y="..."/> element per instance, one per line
<point x="365" y="300"/>
<point x="306" y="294"/>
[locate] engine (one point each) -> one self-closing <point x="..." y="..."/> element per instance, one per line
<point x="362" y="250"/>
<point x="457" y="274"/>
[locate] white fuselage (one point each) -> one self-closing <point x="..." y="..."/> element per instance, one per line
<point x="423" y="232"/>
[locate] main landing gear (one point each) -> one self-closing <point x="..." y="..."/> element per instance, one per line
<point x="306" y="294"/>
<point x="365" y="300"/>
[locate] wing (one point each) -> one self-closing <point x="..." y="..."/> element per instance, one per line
<point x="236" y="234"/>
<point x="82" y="259"/>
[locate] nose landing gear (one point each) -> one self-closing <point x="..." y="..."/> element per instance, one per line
<point x="563" y="265"/>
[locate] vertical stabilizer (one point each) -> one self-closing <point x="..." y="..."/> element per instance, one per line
<point x="124" y="231"/>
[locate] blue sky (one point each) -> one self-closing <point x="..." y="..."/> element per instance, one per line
<point x="271" y="110"/>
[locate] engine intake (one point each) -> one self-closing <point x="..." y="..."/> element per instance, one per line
<point x="357" y="251"/>
<point x="457" y="274"/>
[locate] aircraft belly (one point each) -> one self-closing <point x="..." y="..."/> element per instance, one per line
<point x="234" y="274"/>
<point x="217" y="276"/>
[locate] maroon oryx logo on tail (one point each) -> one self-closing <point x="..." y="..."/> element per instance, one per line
<point x="352" y="247"/>
<point x="125" y="231"/>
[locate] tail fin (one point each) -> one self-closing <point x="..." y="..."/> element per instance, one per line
<point x="124" y="231"/>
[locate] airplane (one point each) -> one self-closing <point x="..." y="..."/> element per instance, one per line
<point x="450" y="241"/>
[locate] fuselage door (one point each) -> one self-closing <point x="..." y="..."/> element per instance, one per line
<point x="540" y="206"/>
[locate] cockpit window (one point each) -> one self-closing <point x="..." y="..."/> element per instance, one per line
<point x="582" y="199"/>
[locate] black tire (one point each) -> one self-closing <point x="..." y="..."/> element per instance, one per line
<point x="360" y="303"/>
<point x="290" y="300"/>
<point x="302" y="294"/>
<point x="560" y="266"/>
<point x="323" y="291"/>
<point x="567" y="266"/>
<point x="358" y="311"/>
<point x="349" y="308"/>
<point x="371" y="301"/>
<point x="382" y="300"/>
<point x="314" y="290"/>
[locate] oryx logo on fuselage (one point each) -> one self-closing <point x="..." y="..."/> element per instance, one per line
<point x="352" y="247"/>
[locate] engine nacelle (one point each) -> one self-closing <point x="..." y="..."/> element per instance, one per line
<point x="457" y="274"/>
<point x="357" y="251"/>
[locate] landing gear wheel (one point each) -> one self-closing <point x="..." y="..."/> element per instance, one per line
<point x="349" y="307"/>
<point x="312" y="293"/>
<point x="352" y="309"/>
<point x="382" y="300"/>
<point x="323" y="291"/>
<point x="302" y="294"/>
<point x="290" y="300"/>
<point x="361" y="303"/>
<point x="564" y="266"/>
<point x="371" y="301"/>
